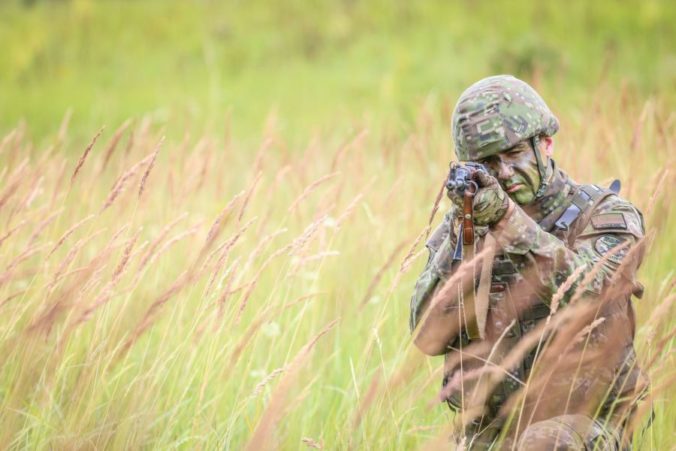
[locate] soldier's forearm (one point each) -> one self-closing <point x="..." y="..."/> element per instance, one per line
<point x="443" y="316"/>
<point x="544" y="260"/>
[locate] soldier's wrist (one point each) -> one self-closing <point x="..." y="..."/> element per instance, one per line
<point x="505" y="217"/>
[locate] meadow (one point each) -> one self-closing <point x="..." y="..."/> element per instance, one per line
<point x="222" y="258"/>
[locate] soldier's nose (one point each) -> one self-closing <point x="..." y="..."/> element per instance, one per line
<point x="505" y="171"/>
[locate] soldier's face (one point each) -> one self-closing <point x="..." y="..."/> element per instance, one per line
<point x="517" y="171"/>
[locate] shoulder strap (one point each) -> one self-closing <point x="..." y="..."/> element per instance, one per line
<point x="584" y="202"/>
<point x="595" y="195"/>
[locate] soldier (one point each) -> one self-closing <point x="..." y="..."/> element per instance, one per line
<point x="534" y="315"/>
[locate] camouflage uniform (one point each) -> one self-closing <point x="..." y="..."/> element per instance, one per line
<point x="578" y="226"/>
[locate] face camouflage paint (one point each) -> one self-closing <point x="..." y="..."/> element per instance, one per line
<point x="517" y="171"/>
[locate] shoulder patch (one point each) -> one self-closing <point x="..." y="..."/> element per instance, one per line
<point x="605" y="244"/>
<point x="609" y="221"/>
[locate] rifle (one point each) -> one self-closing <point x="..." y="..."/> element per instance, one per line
<point x="461" y="181"/>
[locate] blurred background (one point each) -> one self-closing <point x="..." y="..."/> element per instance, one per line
<point x="320" y="64"/>
<point x="263" y="187"/>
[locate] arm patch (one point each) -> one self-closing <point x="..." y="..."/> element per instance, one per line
<point x="609" y="221"/>
<point x="605" y="243"/>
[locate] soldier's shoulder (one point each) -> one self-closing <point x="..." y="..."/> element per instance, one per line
<point x="615" y="214"/>
<point x="442" y="231"/>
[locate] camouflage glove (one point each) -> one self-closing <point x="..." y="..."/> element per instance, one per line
<point x="456" y="198"/>
<point x="491" y="202"/>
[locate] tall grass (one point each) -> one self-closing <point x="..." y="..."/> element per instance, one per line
<point x="210" y="293"/>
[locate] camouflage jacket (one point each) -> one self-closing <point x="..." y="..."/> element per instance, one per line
<point x="578" y="227"/>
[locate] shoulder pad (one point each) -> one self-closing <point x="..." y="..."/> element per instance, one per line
<point x="440" y="233"/>
<point x="615" y="215"/>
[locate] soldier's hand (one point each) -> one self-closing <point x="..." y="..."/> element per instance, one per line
<point x="455" y="197"/>
<point x="491" y="202"/>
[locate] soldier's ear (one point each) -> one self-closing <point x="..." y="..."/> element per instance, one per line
<point x="547" y="146"/>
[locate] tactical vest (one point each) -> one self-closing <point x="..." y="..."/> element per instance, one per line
<point x="566" y="222"/>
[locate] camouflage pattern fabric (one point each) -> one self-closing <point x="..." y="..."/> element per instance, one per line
<point x="564" y="432"/>
<point x="569" y="432"/>
<point x="541" y="258"/>
<point x="495" y="114"/>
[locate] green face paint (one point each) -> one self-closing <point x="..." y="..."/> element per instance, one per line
<point x="517" y="171"/>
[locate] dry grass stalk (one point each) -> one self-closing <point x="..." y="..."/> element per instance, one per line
<point x="447" y="296"/>
<point x="646" y="408"/>
<point x="586" y="331"/>
<point x="150" y="167"/>
<point x="107" y="291"/>
<point x="366" y="401"/>
<point x="154" y="245"/>
<point x="9" y="298"/>
<point x="380" y="273"/>
<point x="269" y="378"/>
<point x="59" y="180"/>
<point x="660" y="313"/>
<point x="70" y="256"/>
<point x="638" y="129"/>
<point x="310" y="188"/>
<point x="11" y="231"/>
<point x="130" y="143"/>
<point x="265" y="145"/>
<point x="318" y="256"/>
<point x="67" y="296"/>
<point x="117" y="273"/>
<point x="665" y="135"/>
<point x="256" y="323"/>
<point x="600" y="264"/>
<point x="9" y="192"/>
<point x="435" y="207"/>
<point x="563" y="289"/>
<point x="262" y="243"/>
<point x="43" y="225"/>
<point x="205" y="162"/>
<point x="262" y="437"/>
<point x="659" y="185"/>
<point x="6" y="140"/>
<point x="6" y="276"/>
<point x="121" y="182"/>
<point x="84" y="156"/>
<point x="33" y="194"/>
<point x="113" y="143"/>
<point x="410" y="254"/>
<point x="63" y="128"/>
<point x="151" y="257"/>
<point x="67" y="234"/>
<point x="349" y="209"/>
<point x="222" y="219"/>
<point x="299" y="243"/>
<point x="312" y="443"/>
<point x="185" y="279"/>
<point x="224" y="251"/>
<point x="230" y="276"/>
<point x="247" y="198"/>
<point x="254" y="282"/>
<point x="352" y="144"/>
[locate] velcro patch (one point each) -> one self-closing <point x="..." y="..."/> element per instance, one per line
<point x="609" y="221"/>
<point x="605" y="244"/>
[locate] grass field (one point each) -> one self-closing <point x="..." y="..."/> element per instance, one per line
<point x="228" y="263"/>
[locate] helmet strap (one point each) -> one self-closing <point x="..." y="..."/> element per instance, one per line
<point x="535" y="142"/>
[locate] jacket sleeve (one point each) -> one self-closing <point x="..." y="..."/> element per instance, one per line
<point x="440" y="245"/>
<point x="546" y="262"/>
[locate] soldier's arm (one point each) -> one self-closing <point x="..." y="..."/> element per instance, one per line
<point x="546" y="262"/>
<point x="440" y="245"/>
<point x="441" y="323"/>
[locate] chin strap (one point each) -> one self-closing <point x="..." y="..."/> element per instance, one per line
<point x="535" y="142"/>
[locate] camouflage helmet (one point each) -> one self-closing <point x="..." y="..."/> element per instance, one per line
<point x="497" y="113"/>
